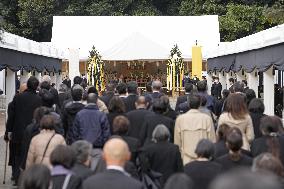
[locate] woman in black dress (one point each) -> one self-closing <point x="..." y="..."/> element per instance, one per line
<point x="235" y="158"/>
<point x="203" y="170"/>
<point x="116" y="108"/>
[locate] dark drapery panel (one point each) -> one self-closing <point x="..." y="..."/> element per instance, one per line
<point x="225" y="63"/>
<point x="261" y="59"/>
<point x="16" y="61"/>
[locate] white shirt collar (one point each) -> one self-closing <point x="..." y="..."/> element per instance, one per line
<point x="115" y="167"/>
<point x="118" y="168"/>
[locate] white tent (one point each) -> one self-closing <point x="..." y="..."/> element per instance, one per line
<point x="145" y="37"/>
<point x="136" y="47"/>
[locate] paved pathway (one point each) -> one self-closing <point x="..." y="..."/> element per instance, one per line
<point x="2" y="155"/>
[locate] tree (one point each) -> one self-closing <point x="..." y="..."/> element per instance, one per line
<point x="35" y="18"/>
<point x="275" y="13"/>
<point x="8" y="12"/>
<point x="242" y="20"/>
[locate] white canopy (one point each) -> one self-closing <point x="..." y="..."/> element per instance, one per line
<point x="135" y="37"/>
<point x="136" y="47"/>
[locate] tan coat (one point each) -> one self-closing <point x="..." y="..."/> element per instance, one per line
<point x="38" y="145"/>
<point x="189" y="129"/>
<point x="245" y="125"/>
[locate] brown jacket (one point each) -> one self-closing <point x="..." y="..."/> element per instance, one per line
<point x="189" y="129"/>
<point x="245" y="125"/>
<point x="38" y="145"/>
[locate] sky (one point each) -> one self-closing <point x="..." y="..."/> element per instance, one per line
<point x="107" y="33"/>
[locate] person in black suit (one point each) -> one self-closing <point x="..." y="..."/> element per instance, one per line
<point x="271" y="141"/>
<point x="235" y="158"/>
<point x="82" y="151"/>
<point x="151" y="121"/>
<point x="181" y="99"/>
<point x="203" y="170"/>
<point x="137" y="117"/>
<point x="170" y="113"/>
<point x="162" y="156"/>
<point x="231" y="83"/>
<point x="20" y="115"/>
<point x="216" y="88"/>
<point x="116" y="107"/>
<point x="116" y="154"/>
<point x="256" y="109"/>
<point x="220" y="146"/>
<point x="120" y="128"/>
<point x="108" y="94"/>
<point x="132" y="96"/>
<point x="156" y="88"/>
<point x="220" y="104"/>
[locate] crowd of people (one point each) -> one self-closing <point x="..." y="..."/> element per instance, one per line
<point x="72" y="138"/>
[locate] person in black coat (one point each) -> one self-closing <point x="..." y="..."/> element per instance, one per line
<point x="82" y="151"/>
<point x="161" y="155"/>
<point x="107" y="96"/>
<point x="181" y="99"/>
<point x="63" y="95"/>
<point x="220" y="104"/>
<point x="62" y="159"/>
<point x="220" y="146"/>
<point x="132" y="96"/>
<point x="137" y="117"/>
<point x="170" y="113"/>
<point x="203" y="170"/>
<point x="116" y="154"/>
<point x="156" y="92"/>
<point x="272" y="141"/>
<point x="116" y="108"/>
<point x="32" y="130"/>
<point x="20" y="115"/>
<point x="235" y="158"/>
<point x="151" y="121"/>
<point x="216" y="88"/>
<point x="120" y="128"/>
<point x="70" y="110"/>
<point x="256" y="109"/>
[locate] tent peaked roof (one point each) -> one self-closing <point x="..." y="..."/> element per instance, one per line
<point x="136" y="47"/>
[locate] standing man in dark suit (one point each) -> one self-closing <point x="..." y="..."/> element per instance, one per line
<point x="137" y="117"/>
<point x="121" y="89"/>
<point x="115" y="154"/>
<point x="216" y="88"/>
<point x="181" y="99"/>
<point x="108" y="94"/>
<point x="132" y="96"/>
<point x="152" y="120"/>
<point x="20" y="115"/>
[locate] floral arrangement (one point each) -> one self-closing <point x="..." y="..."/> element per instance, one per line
<point x="175" y="69"/>
<point x="96" y="70"/>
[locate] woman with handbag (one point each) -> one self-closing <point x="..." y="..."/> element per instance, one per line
<point x="44" y="143"/>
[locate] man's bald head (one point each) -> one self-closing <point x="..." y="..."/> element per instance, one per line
<point x="141" y="102"/>
<point x="92" y="98"/>
<point x="116" y="152"/>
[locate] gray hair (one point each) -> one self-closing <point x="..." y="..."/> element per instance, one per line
<point x="161" y="133"/>
<point x="82" y="150"/>
<point x="77" y="86"/>
<point x="157" y="85"/>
